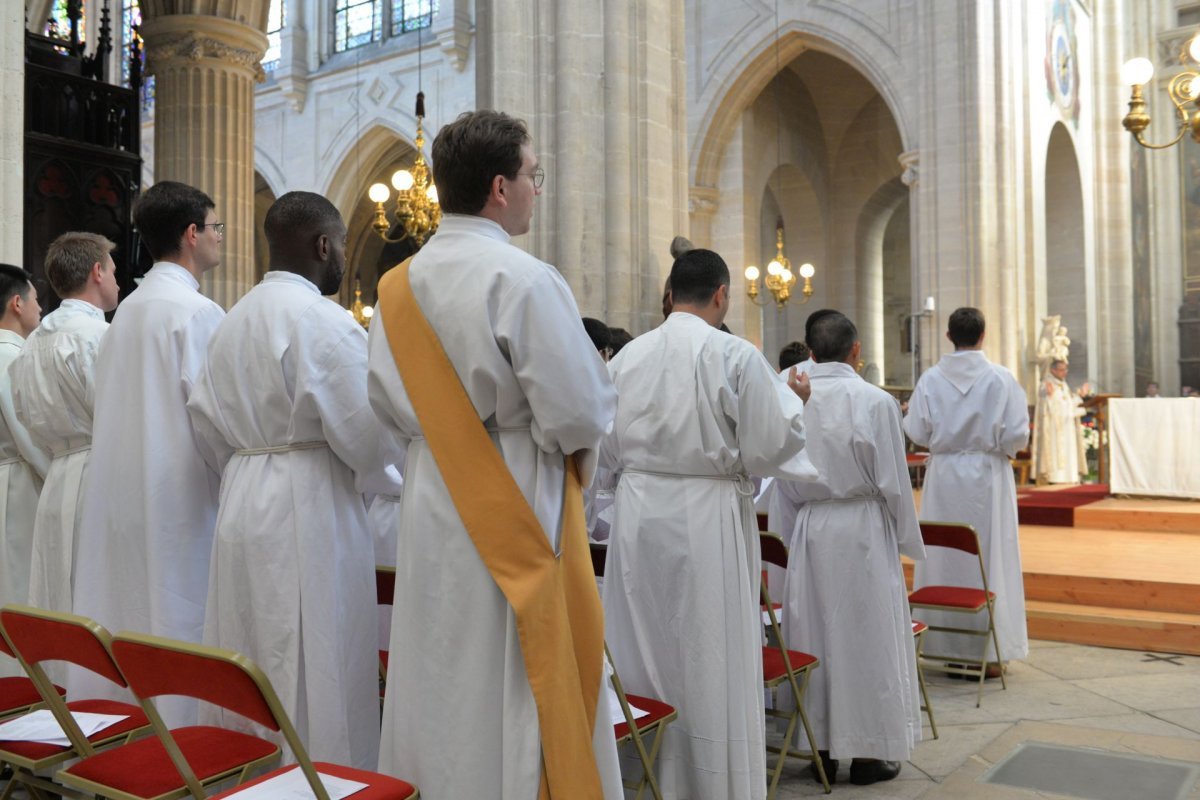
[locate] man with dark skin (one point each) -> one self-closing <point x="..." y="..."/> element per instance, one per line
<point x="282" y="402"/>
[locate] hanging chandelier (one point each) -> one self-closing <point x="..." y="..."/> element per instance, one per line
<point x="361" y="312"/>
<point x="1183" y="89"/>
<point x="416" y="211"/>
<point x="779" y="279"/>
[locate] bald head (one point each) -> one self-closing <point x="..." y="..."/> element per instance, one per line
<point x="306" y="235"/>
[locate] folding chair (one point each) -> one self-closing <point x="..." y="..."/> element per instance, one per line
<point x="961" y="600"/>
<point x="35" y="636"/>
<point x="156" y="666"/>
<point x="782" y="665"/>
<point x="918" y="629"/>
<point x="636" y="731"/>
<point x="19" y="694"/>
<point x="385" y="595"/>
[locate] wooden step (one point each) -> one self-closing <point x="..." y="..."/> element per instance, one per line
<point x="1130" y="593"/>
<point x="1130" y="629"/>
<point x="1131" y="514"/>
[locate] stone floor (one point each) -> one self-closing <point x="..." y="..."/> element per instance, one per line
<point x="1120" y="700"/>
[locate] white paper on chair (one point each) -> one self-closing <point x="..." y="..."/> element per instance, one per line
<point x="615" y="715"/>
<point x="292" y="785"/>
<point x="41" y="726"/>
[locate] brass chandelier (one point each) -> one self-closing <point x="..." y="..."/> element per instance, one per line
<point x="779" y="279"/>
<point x="416" y="211"/>
<point x="1183" y="89"/>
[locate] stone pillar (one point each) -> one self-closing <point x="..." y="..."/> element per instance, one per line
<point x="205" y="69"/>
<point x="12" y="132"/>
<point x="602" y="88"/>
<point x="918" y="225"/>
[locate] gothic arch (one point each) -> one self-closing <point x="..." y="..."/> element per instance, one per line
<point x="1066" y="253"/>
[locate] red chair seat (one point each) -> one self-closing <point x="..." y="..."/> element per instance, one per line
<point x="951" y="597"/>
<point x="383" y="658"/>
<point x="379" y="787"/>
<point x="773" y="668"/>
<point x="143" y="768"/>
<point x="658" y="710"/>
<point x="135" y="718"/>
<point x="17" y="693"/>
<point x="919" y="627"/>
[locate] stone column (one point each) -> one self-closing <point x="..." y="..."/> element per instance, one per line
<point x="918" y="230"/>
<point x="205" y="69"/>
<point x="602" y="88"/>
<point x="12" y="132"/>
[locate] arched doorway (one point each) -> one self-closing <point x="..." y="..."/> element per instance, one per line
<point x="264" y="197"/>
<point x="1066" y="259"/>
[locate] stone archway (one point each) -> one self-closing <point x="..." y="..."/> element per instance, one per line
<point x="1066" y="257"/>
<point x="264" y="197"/>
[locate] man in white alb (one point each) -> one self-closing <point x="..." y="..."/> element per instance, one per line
<point x="54" y="392"/>
<point x="150" y="501"/>
<point x="698" y="412"/>
<point x="1059" y="455"/>
<point x="972" y="416"/>
<point x="844" y="597"/>
<point x="23" y="464"/>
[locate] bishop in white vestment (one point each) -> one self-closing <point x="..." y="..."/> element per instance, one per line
<point x="972" y="416"/>
<point x="698" y="411"/>
<point x="845" y="600"/>
<point x="23" y="464"/>
<point x="1058" y="451"/>
<point x="150" y="502"/>
<point x="54" y="392"/>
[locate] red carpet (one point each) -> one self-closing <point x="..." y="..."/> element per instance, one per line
<point x="1057" y="506"/>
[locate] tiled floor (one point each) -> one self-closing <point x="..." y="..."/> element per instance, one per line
<point x="1066" y="694"/>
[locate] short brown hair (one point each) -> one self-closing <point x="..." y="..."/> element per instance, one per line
<point x="70" y="258"/>
<point x="966" y="326"/>
<point x="471" y="151"/>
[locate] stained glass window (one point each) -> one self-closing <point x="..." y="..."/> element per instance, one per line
<point x="408" y="15"/>
<point x="131" y="20"/>
<point x="59" y="24"/>
<point x="356" y="23"/>
<point x="276" y="18"/>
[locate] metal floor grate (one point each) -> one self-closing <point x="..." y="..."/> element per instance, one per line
<point x="1093" y="774"/>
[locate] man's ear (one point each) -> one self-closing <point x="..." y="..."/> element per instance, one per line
<point x="97" y="273"/>
<point x="498" y="185"/>
<point x="321" y="246"/>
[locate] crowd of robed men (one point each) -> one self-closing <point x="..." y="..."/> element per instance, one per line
<point x="207" y="476"/>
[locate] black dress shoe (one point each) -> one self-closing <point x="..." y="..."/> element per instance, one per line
<point x="831" y="768"/>
<point x="865" y="771"/>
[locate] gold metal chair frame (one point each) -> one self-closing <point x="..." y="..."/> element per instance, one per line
<point x="637" y="735"/>
<point x="926" y="706"/>
<point x="25" y="769"/>
<point x="949" y="662"/>
<point x="797" y="678"/>
<point x="263" y="684"/>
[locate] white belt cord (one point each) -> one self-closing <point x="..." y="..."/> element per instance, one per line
<point x="13" y="460"/>
<point x="832" y="501"/>
<point x="83" y="448"/>
<point x="280" y="448"/>
<point x="741" y="481"/>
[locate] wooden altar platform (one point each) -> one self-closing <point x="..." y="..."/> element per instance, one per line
<point x="1126" y="575"/>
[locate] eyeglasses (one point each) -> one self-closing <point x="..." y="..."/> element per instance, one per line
<point x="538" y="176"/>
<point x="219" y="227"/>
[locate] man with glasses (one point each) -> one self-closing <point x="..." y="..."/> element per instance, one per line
<point x="150" y="499"/>
<point x="478" y="361"/>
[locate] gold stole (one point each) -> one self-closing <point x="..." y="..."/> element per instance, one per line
<point x="559" y="619"/>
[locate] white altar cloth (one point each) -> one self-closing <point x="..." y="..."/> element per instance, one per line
<point x="1155" y="446"/>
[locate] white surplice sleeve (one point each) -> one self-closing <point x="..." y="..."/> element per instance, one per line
<point x="336" y="386"/>
<point x="30" y="451"/>
<point x="192" y="341"/>
<point x="1014" y="433"/>
<point x="918" y="423"/>
<point x="562" y="376"/>
<point x="891" y="475"/>
<point x="770" y="423"/>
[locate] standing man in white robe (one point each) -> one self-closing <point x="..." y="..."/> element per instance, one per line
<point x="282" y="401"/>
<point x="845" y="599"/>
<point x="1059" y="455"/>
<point x="972" y="416"/>
<point x="23" y="464"/>
<point x="698" y="412"/>
<point x="460" y="719"/>
<point x="54" y="392"/>
<point x="150" y="501"/>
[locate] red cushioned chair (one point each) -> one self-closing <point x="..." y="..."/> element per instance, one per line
<point x="18" y="695"/>
<point x="918" y="629"/>
<point x="780" y="666"/>
<point x="37" y="636"/>
<point x="636" y="731"/>
<point x="961" y="600"/>
<point x="156" y="667"/>
<point x="385" y="595"/>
